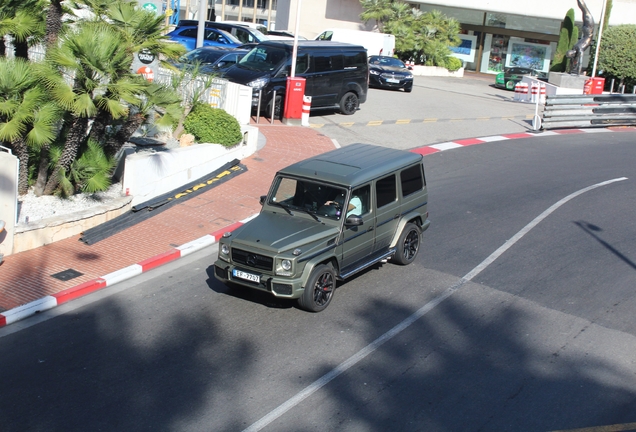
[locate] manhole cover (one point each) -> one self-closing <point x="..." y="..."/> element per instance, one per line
<point x="67" y="275"/>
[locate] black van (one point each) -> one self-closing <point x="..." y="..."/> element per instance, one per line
<point x="337" y="74"/>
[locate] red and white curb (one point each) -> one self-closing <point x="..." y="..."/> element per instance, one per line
<point x="435" y="148"/>
<point x="50" y="301"/>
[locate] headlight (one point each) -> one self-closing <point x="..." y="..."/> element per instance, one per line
<point x="225" y="249"/>
<point x="259" y="83"/>
<point x="283" y="267"/>
<point x="374" y="72"/>
<point x="409" y="76"/>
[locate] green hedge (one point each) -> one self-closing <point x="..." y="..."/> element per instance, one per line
<point x="212" y="125"/>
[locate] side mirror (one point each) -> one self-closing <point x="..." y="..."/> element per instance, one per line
<point x="409" y="67"/>
<point x="353" y="220"/>
<point x="262" y="199"/>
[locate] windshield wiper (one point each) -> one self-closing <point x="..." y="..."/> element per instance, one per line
<point x="283" y="206"/>
<point x="310" y="214"/>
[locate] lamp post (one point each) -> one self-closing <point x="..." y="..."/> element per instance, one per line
<point x="598" y="39"/>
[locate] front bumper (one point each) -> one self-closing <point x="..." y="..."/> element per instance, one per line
<point x="389" y="82"/>
<point x="278" y="286"/>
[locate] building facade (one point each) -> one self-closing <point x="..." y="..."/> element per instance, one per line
<point x="495" y="33"/>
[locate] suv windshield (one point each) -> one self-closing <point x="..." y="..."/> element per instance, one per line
<point x="312" y="197"/>
<point x="264" y="58"/>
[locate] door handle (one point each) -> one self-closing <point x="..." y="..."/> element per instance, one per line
<point x="370" y="229"/>
<point x="396" y="216"/>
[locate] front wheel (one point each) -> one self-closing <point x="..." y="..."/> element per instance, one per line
<point x="319" y="289"/>
<point x="349" y="103"/>
<point x="408" y="245"/>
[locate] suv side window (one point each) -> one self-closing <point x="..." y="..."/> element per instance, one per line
<point x="412" y="180"/>
<point x="385" y="190"/>
<point x="355" y="60"/>
<point x="359" y="203"/>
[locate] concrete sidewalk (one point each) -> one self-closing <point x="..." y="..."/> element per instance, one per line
<point x="26" y="278"/>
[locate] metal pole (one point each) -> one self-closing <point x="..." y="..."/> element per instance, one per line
<point x="273" y="107"/>
<point x="258" y="106"/>
<point x="295" y="49"/>
<point x="612" y="87"/>
<point x="598" y="41"/>
<point x="201" y="28"/>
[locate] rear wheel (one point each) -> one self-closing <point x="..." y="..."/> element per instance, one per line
<point x="349" y="103"/>
<point x="319" y="289"/>
<point x="408" y="245"/>
<point x="510" y="85"/>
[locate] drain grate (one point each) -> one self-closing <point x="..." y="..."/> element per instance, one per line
<point x="67" y="275"/>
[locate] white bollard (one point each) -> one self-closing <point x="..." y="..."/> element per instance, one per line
<point x="542" y="93"/>
<point x="534" y="89"/>
<point x="304" y="118"/>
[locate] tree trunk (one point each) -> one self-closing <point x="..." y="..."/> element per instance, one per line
<point x="43" y="171"/>
<point x="74" y="139"/>
<point x="53" y="22"/>
<point x="22" y="153"/>
<point x="115" y="143"/>
<point x="98" y="128"/>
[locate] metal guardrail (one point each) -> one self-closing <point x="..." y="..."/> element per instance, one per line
<point x="566" y="111"/>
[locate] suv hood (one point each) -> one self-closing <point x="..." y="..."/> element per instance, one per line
<point x="279" y="233"/>
<point x="241" y="75"/>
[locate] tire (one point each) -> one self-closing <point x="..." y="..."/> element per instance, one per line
<point x="510" y="85"/>
<point x="408" y="245"/>
<point x="319" y="290"/>
<point x="408" y="90"/>
<point x="278" y="108"/>
<point x="349" y="103"/>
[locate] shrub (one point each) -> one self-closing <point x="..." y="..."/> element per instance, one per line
<point x="453" y="63"/>
<point x="212" y="125"/>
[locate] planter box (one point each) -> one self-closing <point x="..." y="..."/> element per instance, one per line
<point x="150" y="174"/>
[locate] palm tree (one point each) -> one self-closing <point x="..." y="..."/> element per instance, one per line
<point x="27" y="117"/>
<point x="84" y="75"/>
<point x="378" y="10"/>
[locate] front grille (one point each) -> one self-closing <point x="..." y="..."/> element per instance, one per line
<point x="388" y="75"/>
<point x="253" y="260"/>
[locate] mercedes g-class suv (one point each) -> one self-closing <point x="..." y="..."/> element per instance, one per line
<point x="327" y="218"/>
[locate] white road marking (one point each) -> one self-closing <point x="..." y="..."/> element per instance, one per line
<point x="364" y="352"/>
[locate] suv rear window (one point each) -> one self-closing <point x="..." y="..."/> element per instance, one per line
<point x="412" y="180"/>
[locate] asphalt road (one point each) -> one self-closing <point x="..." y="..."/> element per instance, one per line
<point x="437" y="110"/>
<point x="542" y="338"/>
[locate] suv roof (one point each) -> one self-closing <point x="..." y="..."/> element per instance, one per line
<point x="353" y="165"/>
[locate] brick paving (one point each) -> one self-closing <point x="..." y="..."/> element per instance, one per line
<point x="26" y="276"/>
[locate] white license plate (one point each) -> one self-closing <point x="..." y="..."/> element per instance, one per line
<point x="247" y="276"/>
<point x="392" y="80"/>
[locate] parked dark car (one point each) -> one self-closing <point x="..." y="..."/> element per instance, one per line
<point x="509" y="78"/>
<point x="389" y="73"/>
<point x="244" y="33"/>
<point x="210" y="59"/>
<point x="187" y="36"/>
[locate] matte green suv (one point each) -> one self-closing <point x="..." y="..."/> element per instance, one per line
<point x="327" y="218"/>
